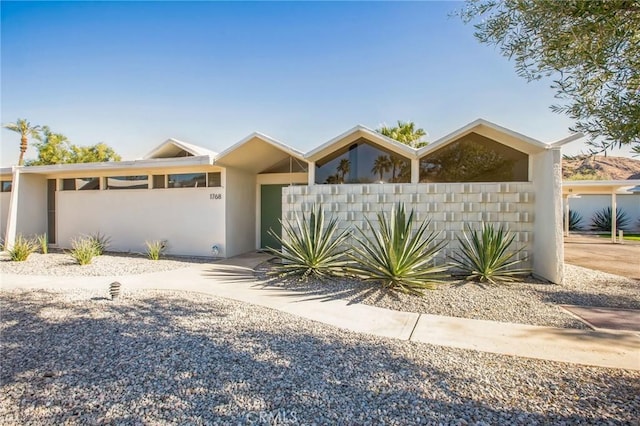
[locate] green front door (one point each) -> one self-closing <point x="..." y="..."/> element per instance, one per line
<point x="270" y="214"/>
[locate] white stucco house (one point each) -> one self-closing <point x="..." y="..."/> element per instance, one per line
<point x="589" y="197"/>
<point x="196" y="199"/>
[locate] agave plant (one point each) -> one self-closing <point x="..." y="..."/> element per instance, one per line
<point x="485" y="256"/>
<point x="397" y="257"/>
<point x="601" y="221"/>
<point x="575" y="221"/>
<point x="310" y="248"/>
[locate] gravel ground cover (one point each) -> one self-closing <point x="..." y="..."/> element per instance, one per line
<point x="528" y="302"/>
<point x="109" y="264"/>
<point x="177" y="358"/>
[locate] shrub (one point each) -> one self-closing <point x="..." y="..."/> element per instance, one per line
<point x="43" y="242"/>
<point x="485" y="256"/>
<point x="155" y="249"/>
<point x="21" y="249"/>
<point x="100" y="243"/>
<point x="575" y="221"/>
<point x="601" y="220"/>
<point x="311" y="248"/>
<point x="83" y="250"/>
<point x="397" y="258"/>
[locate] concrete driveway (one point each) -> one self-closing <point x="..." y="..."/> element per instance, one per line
<point x="599" y="253"/>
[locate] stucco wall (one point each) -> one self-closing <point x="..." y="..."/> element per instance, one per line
<point x="449" y="205"/>
<point x="190" y="219"/>
<point x="548" y="248"/>
<point x="30" y="191"/>
<point x="5" y="198"/>
<point x="588" y="205"/>
<point x="241" y="211"/>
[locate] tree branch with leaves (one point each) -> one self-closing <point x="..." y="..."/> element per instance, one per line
<point x="591" y="50"/>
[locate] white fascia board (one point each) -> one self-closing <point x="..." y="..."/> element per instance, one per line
<point x="566" y="140"/>
<point x="456" y="134"/>
<point x="6" y="170"/>
<point x="605" y="183"/>
<point x="374" y="136"/>
<point x="265" y="138"/>
<point x="599" y="186"/>
<point x="120" y="165"/>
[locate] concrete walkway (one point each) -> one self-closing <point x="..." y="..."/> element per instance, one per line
<point x="234" y="279"/>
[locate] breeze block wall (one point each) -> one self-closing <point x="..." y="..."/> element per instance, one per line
<point x="450" y="206"/>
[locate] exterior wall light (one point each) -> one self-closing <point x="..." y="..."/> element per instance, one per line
<point x="215" y="250"/>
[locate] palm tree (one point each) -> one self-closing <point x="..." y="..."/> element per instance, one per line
<point x="25" y="129"/>
<point x="343" y="168"/>
<point x="409" y="135"/>
<point x="406" y="133"/>
<point x="381" y="165"/>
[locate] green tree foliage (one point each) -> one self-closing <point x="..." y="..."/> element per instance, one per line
<point x="26" y="130"/>
<point x="55" y="148"/>
<point x="406" y="133"/>
<point x="591" y="49"/>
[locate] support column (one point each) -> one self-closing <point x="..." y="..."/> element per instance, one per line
<point x="12" y="217"/>
<point x="614" y="210"/>
<point x="415" y="170"/>
<point x="566" y="215"/>
<point x="311" y="173"/>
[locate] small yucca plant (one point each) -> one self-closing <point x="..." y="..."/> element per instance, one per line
<point x="100" y="243"/>
<point x="155" y="249"/>
<point x="43" y="242"/>
<point x="22" y="248"/>
<point x="601" y="221"/>
<point x="83" y="250"/>
<point x="311" y="247"/>
<point x="396" y="257"/>
<point x="575" y="221"/>
<point x="485" y="256"/>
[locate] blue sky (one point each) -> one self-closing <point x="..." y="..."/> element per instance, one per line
<point x="134" y="74"/>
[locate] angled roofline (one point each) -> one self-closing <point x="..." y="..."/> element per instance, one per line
<point x="474" y="124"/>
<point x="373" y="135"/>
<point x="566" y="140"/>
<point x="265" y="138"/>
<point x="192" y="149"/>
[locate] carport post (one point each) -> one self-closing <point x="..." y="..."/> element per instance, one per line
<point x="614" y="210"/>
<point x="566" y="215"/>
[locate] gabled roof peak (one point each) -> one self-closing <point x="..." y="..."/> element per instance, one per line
<point x="174" y="148"/>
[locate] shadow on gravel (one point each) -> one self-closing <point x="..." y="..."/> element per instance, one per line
<point x="162" y="358"/>
<point x="558" y="297"/>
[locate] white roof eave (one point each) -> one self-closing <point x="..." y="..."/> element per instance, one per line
<point x="456" y="134"/>
<point x="265" y="138"/>
<point x="121" y="165"/>
<point x="382" y="140"/>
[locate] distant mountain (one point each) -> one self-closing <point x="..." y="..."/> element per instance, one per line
<point x="599" y="167"/>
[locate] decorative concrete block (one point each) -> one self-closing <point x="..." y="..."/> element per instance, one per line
<point x="522" y="217"/>
<point x="505" y="207"/>
<point x="523" y="197"/>
<point x="291" y="199"/>
<point x="382" y="198"/>
<point x="489" y="217"/>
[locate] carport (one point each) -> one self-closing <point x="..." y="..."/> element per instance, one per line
<point x="597" y="187"/>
